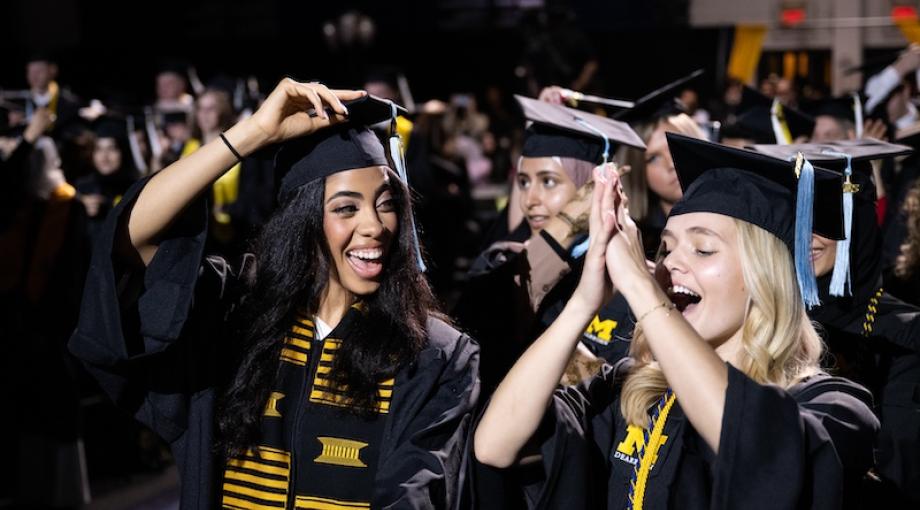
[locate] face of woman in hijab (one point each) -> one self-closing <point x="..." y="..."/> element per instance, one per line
<point x="545" y="189"/>
<point x="360" y="222"/>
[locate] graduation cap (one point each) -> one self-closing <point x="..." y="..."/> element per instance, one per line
<point x="569" y="133"/>
<point x="659" y="103"/>
<point x="176" y="117"/>
<point x="789" y="199"/>
<point x="768" y="120"/>
<point x="909" y="136"/>
<point x="849" y="107"/>
<point x="844" y="156"/>
<point x="343" y="147"/>
<point x="110" y="127"/>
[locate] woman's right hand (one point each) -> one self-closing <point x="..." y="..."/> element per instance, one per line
<point x="284" y="113"/>
<point x="594" y="287"/>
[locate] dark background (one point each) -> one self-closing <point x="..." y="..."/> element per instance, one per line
<point x="443" y="46"/>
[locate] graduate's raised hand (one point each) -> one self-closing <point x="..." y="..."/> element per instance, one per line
<point x="594" y="287"/>
<point x="296" y="109"/>
<point x="624" y="254"/>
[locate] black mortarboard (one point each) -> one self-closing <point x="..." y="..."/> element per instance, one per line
<point x="754" y="116"/>
<point x="659" y="103"/>
<point x="764" y="191"/>
<point x="837" y="107"/>
<point x="569" y="133"/>
<point x="343" y="147"/>
<point x="176" y="117"/>
<point x="110" y="127"/>
<point x="909" y="135"/>
<point x="844" y="156"/>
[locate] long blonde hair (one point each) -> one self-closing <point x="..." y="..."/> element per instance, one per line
<point x="779" y="344"/>
<point x="635" y="183"/>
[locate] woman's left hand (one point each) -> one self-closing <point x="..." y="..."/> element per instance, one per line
<point x="593" y="287"/>
<point x="625" y="256"/>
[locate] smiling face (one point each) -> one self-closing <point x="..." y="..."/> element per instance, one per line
<point x="700" y="268"/>
<point x="545" y="189"/>
<point x="823" y="254"/>
<point x="360" y="223"/>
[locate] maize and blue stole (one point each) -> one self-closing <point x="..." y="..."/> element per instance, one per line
<point x="652" y="435"/>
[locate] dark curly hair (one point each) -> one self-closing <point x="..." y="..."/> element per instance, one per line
<point x="293" y="265"/>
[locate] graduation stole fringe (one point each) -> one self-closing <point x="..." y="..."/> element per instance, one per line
<point x="652" y="436"/>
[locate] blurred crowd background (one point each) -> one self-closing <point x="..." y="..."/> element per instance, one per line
<point x="96" y="95"/>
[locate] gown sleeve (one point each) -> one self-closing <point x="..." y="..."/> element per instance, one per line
<point x="576" y="432"/>
<point x="427" y="440"/>
<point x="791" y="449"/>
<point x="134" y="330"/>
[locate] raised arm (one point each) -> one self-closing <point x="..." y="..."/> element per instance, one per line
<point x="520" y="401"/>
<point x="285" y="114"/>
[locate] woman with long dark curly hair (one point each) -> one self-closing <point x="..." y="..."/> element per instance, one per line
<point x="316" y="374"/>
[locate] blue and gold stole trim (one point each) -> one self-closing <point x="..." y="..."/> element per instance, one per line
<point x="259" y="480"/>
<point x="647" y="456"/>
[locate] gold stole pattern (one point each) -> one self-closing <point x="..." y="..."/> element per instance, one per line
<point x="259" y="480"/>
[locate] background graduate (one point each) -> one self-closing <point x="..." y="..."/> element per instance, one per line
<point x="319" y="374"/>
<point x="722" y="403"/>
<point x="872" y="337"/>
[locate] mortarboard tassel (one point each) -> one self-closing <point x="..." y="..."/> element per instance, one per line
<point x="396" y="154"/>
<point x="780" y="127"/>
<point x="601" y="134"/>
<point x="841" y="276"/>
<point x="139" y="162"/>
<point x="858" y="114"/>
<point x="805" y="195"/>
<point x="581" y="248"/>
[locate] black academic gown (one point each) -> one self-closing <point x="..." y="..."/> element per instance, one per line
<point x="778" y="449"/>
<point x="874" y="339"/>
<point x="155" y="342"/>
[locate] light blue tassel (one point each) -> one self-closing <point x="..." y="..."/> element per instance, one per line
<point x="600" y="133"/>
<point x="805" y="271"/>
<point x="841" y="276"/>
<point x="396" y="154"/>
<point x="580" y="249"/>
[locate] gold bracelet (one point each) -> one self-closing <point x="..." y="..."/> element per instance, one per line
<point x="663" y="304"/>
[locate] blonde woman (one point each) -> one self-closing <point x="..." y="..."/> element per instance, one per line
<point x="721" y="403"/>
